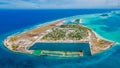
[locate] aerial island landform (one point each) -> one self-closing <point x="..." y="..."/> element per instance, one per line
<point x="58" y="32"/>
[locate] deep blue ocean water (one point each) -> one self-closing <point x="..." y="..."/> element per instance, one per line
<point x="12" y="21"/>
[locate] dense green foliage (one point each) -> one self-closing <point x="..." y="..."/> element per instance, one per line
<point x="56" y="34"/>
<point x="12" y="39"/>
<point x="71" y="31"/>
<point x="101" y="41"/>
<point x="14" y="47"/>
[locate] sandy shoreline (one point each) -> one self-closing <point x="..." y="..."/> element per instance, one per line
<point x="32" y="36"/>
<point x="98" y="35"/>
<point x="35" y="31"/>
<point x="34" y="27"/>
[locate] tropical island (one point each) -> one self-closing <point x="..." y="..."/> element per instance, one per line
<point x="58" y="32"/>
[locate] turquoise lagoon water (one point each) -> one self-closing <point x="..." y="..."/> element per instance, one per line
<point x="13" y="20"/>
<point x="107" y="27"/>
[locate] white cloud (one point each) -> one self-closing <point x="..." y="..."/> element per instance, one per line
<point x="59" y="3"/>
<point x="113" y="3"/>
<point x="18" y="4"/>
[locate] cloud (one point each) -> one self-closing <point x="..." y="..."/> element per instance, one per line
<point x="112" y="3"/>
<point x="18" y="4"/>
<point x="37" y="4"/>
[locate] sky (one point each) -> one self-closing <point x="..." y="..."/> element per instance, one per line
<point x="58" y="4"/>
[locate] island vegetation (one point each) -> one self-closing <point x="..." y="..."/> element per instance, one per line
<point x="65" y="32"/>
<point x="57" y="31"/>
